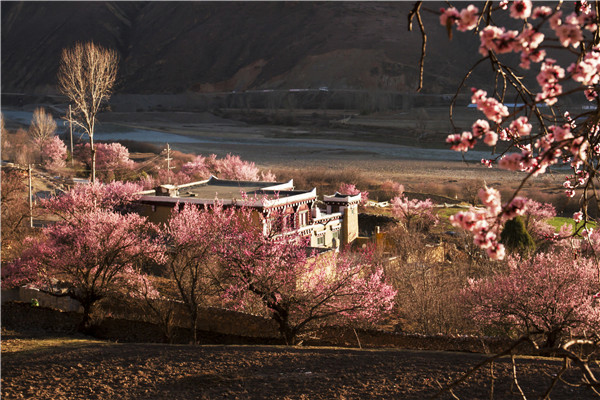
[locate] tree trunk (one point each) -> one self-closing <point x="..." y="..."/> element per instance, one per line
<point x="194" y="317"/>
<point x="287" y="332"/>
<point x="552" y="339"/>
<point x="86" y="322"/>
<point x="93" y="151"/>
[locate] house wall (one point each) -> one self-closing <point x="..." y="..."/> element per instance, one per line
<point x="44" y="299"/>
<point x="350" y="224"/>
<point x="330" y="234"/>
<point x="156" y="213"/>
<point x="328" y="231"/>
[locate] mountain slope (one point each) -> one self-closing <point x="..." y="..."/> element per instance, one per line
<point x="178" y="47"/>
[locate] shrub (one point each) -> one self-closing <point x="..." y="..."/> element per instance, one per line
<point x="515" y="237"/>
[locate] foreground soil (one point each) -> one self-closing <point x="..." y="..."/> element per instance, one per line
<point x="78" y="367"/>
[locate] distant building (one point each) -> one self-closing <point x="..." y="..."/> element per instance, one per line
<point x="274" y="203"/>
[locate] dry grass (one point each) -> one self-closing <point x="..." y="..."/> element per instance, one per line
<point x="326" y="180"/>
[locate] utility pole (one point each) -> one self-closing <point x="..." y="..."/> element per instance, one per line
<point x="30" y="198"/>
<point x="71" y="131"/>
<point x="169" y="163"/>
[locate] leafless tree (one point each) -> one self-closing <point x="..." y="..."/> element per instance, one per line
<point x="86" y="76"/>
<point x="42" y="127"/>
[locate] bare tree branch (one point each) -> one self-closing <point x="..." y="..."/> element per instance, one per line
<point x="416" y="12"/>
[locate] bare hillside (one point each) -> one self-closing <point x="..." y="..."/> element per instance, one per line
<point x="179" y="47"/>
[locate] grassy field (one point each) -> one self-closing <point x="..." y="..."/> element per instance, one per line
<point x="558" y="222"/>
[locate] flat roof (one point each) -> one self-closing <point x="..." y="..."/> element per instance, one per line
<point x="343" y="198"/>
<point x="228" y="192"/>
<point x="222" y="190"/>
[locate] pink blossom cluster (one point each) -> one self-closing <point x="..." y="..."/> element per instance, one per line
<point x="466" y="19"/>
<point x="520" y="9"/>
<point x="492" y="108"/>
<point x="233" y="167"/>
<point x="587" y="71"/>
<point x="200" y="167"/>
<point x="113" y="156"/>
<point x="527" y="42"/>
<point x="497" y="39"/>
<point x="519" y="127"/>
<point x="559" y="143"/>
<point x="548" y="78"/>
<point x="513" y="162"/>
<point x="536" y="220"/>
<point x="487" y="163"/>
<point x="485" y="223"/>
<point x="494" y="111"/>
<point x="568" y="30"/>
<point x="461" y="142"/>
<point x="572" y="182"/>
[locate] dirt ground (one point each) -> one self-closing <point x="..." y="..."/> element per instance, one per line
<point x="42" y="366"/>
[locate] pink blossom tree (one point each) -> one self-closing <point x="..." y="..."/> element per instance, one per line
<point x="414" y="214"/>
<point x="113" y="156"/>
<point x="351" y="189"/>
<point x="298" y="291"/>
<point x="201" y="167"/>
<point x="81" y="199"/>
<point x="551" y="294"/>
<point x="112" y="160"/>
<point x="536" y="221"/>
<point x="192" y="236"/>
<point x="93" y="256"/>
<point x="486" y="224"/>
<point x="54" y="154"/>
<point x="231" y="167"/>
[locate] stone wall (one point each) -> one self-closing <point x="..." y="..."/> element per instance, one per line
<point x="242" y="328"/>
<point x="44" y="299"/>
<point x="21" y="316"/>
